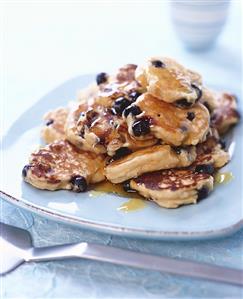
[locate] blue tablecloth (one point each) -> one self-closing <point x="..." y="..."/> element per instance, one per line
<point x="89" y="279"/>
<point x="42" y="53"/>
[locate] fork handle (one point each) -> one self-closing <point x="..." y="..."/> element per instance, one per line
<point x="136" y="259"/>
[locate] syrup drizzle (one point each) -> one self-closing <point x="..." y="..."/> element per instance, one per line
<point x="132" y="205"/>
<point x="223" y="177"/>
<point x="135" y="202"/>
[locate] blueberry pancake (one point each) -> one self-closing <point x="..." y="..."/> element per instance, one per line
<point x="88" y="126"/>
<point x="173" y="125"/>
<point x="128" y="91"/>
<point x="211" y="152"/>
<point x="223" y="109"/>
<point x="109" y="88"/>
<point x="209" y="98"/>
<point x="60" y="165"/>
<point x="102" y="130"/>
<point x="126" y="73"/>
<point x="108" y="93"/>
<point x="155" y="128"/>
<point x="169" y="81"/>
<point x="174" y="187"/>
<point x="149" y="159"/>
<point x="54" y="128"/>
<point x="225" y="115"/>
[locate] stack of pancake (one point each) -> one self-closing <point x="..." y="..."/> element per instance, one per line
<point x="154" y="128"/>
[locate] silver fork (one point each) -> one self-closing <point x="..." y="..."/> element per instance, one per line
<point x="16" y="248"/>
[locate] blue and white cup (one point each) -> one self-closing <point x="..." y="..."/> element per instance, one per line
<point x="198" y="23"/>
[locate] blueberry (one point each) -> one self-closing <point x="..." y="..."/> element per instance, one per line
<point x="198" y="91"/>
<point x="190" y="116"/>
<point x="222" y="143"/>
<point x="158" y="64"/>
<point x="101" y="78"/>
<point x="113" y="111"/>
<point x="25" y="170"/>
<point x="102" y="140"/>
<point x="127" y="187"/>
<point x="141" y="127"/>
<point x="134" y="95"/>
<point x="120" y="105"/>
<point x="183" y="103"/>
<point x="205" y="168"/>
<point x="121" y="152"/>
<point x="79" y="183"/>
<point x="177" y="149"/>
<point x="49" y="122"/>
<point x="134" y="110"/>
<point x="202" y="193"/>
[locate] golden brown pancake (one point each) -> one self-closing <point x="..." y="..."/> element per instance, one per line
<point x="126" y="73"/>
<point x="149" y="159"/>
<point x="212" y="152"/>
<point x="209" y="98"/>
<point x="169" y="81"/>
<point x="60" y="165"/>
<point x="155" y="128"/>
<point x="171" y="124"/>
<point x="173" y="188"/>
<point x="54" y="128"/>
<point x="96" y="128"/>
<point x="225" y="115"/>
<point x="223" y="109"/>
<point x="121" y="84"/>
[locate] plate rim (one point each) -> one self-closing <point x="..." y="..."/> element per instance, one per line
<point x="119" y="230"/>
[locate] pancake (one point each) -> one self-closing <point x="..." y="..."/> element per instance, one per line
<point x="155" y="128"/>
<point x="223" y="109"/>
<point x="173" y="188"/>
<point x="101" y="130"/>
<point x="60" y="165"/>
<point x="173" y="125"/>
<point x="225" y="115"/>
<point x="211" y="152"/>
<point x="169" y="81"/>
<point x="108" y="88"/>
<point x="146" y="160"/>
<point x="88" y="127"/>
<point x="114" y="90"/>
<point x="54" y="128"/>
<point x="126" y="73"/>
<point x="209" y="98"/>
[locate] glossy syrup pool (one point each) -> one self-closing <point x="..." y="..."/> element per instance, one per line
<point x="135" y="202"/>
<point x="223" y="177"/>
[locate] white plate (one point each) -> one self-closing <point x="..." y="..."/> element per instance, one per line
<point x="220" y="214"/>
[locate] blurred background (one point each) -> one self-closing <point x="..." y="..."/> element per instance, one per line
<point x="45" y="43"/>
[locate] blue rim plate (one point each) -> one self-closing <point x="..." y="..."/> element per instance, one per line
<point x="218" y="215"/>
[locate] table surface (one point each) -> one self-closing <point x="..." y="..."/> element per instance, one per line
<point x="46" y="43"/>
